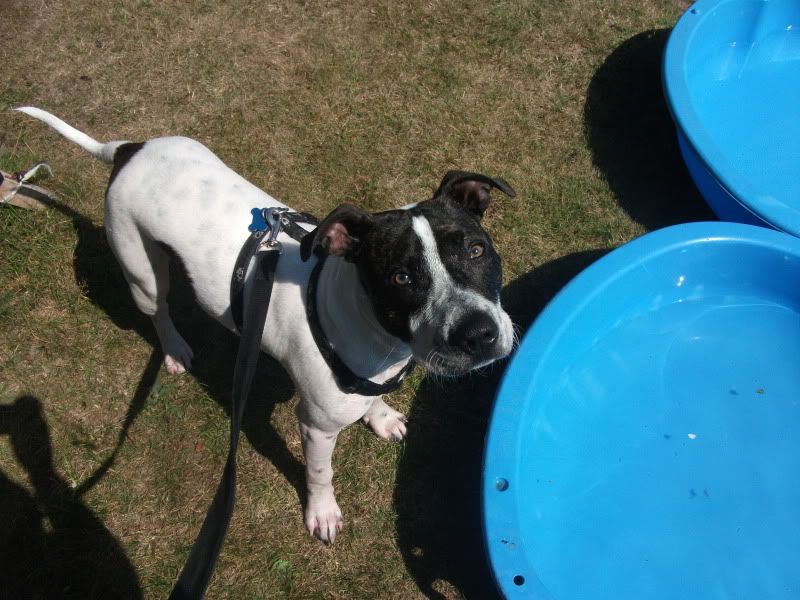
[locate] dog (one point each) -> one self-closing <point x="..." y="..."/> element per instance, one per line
<point x="420" y="282"/>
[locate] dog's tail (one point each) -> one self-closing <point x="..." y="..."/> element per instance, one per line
<point x="104" y="152"/>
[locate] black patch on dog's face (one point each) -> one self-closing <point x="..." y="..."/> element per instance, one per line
<point x="391" y="251"/>
<point x="390" y="248"/>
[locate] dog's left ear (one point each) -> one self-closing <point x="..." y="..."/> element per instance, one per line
<point x="471" y="190"/>
<point x="339" y="234"/>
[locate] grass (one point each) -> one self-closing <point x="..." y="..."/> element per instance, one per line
<point x="107" y="463"/>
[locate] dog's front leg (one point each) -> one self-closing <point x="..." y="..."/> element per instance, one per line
<point x="385" y="421"/>
<point x="322" y="515"/>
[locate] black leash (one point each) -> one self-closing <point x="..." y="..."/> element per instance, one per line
<point x="194" y="577"/>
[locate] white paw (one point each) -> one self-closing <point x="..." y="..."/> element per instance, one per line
<point x="177" y="355"/>
<point x="387" y="423"/>
<point x="323" y="517"/>
<point x="174" y="366"/>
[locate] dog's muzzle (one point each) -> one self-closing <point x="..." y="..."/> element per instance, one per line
<point x="476" y="335"/>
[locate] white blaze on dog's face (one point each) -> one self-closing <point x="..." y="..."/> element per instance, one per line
<point x="431" y="273"/>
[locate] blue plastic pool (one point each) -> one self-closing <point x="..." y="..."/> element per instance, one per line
<point x="732" y="80"/>
<point x="645" y="442"/>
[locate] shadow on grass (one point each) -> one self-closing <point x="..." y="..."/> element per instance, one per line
<point x="215" y="349"/>
<point x="146" y="383"/>
<point x="98" y="272"/>
<point x="632" y="138"/>
<point x="51" y="544"/>
<point x="437" y="491"/>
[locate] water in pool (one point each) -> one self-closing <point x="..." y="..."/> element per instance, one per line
<point x="747" y="94"/>
<point x="701" y="437"/>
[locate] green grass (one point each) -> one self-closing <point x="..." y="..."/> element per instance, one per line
<point x="317" y="103"/>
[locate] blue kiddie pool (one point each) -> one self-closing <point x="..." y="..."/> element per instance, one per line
<point x="645" y="441"/>
<point x="732" y="81"/>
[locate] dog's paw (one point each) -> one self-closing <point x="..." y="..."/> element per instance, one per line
<point x="386" y="422"/>
<point x="175" y="366"/>
<point x="323" y="517"/>
<point x="177" y="356"/>
<point x="177" y="353"/>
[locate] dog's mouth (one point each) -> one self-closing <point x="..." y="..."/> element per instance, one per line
<point x="448" y="363"/>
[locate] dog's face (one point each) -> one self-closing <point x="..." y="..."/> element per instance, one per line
<point x="430" y="271"/>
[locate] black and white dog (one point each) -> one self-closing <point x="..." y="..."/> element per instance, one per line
<point x="419" y="282"/>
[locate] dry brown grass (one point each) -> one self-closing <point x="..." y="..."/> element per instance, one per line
<point x="318" y="103"/>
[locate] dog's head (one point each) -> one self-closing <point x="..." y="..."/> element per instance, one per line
<point x="430" y="270"/>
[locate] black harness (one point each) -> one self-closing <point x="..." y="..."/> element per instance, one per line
<point x="193" y="579"/>
<point x="290" y="221"/>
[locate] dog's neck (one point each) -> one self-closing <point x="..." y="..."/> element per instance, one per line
<point x="349" y="322"/>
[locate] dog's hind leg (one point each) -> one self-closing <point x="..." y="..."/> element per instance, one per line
<point x="146" y="268"/>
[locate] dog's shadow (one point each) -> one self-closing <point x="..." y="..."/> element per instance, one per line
<point x="437" y="494"/>
<point x="99" y="274"/>
<point x="51" y="544"/>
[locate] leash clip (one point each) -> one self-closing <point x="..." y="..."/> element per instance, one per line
<point x="275" y="220"/>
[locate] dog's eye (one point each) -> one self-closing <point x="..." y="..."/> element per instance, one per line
<point x="476" y="250"/>
<point x="401" y="279"/>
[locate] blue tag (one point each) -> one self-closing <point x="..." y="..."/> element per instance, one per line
<point x="258" y="224"/>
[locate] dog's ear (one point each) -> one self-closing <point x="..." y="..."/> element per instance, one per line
<point x="339" y="234"/>
<point x="471" y="190"/>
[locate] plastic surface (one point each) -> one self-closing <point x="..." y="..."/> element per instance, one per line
<point x="732" y="81"/>
<point x="645" y="442"/>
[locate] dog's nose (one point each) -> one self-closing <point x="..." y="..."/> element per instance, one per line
<point x="475" y="334"/>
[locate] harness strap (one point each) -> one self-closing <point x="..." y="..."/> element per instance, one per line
<point x="194" y="577"/>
